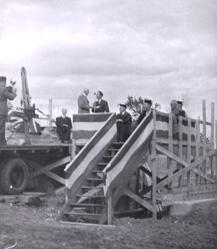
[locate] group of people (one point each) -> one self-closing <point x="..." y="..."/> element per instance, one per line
<point x="64" y="123"/>
<point x="100" y="105"/>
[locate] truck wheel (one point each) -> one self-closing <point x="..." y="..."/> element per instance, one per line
<point x="14" y="176"/>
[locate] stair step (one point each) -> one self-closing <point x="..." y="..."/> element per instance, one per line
<point x="82" y="214"/>
<point x="108" y="157"/>
<point x="94" y="179"/>
<point x="97" y="171"/>
<point x="118" y="144"/>
<point x="86" y="205"/>
<point x="113" y="150"/>
<point x="91" y="187"/>
<point x="92" y="196"/>
<point x="102" y="164"/>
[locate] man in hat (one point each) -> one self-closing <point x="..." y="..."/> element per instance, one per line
<point x="64" y="126"/>
<point x="83" y="102"/>
<point x="5" y="94"/>
<point x="123" y="122"/>
<point x="100" y="105"/>
<point x="146" y="108"/>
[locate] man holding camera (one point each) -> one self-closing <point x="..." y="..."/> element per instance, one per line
<point x="6" y="93"/>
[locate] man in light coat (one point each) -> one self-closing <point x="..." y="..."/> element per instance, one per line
<point x="83" y="102"/>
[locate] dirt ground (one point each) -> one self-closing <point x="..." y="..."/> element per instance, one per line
<point x="35" y="227"/>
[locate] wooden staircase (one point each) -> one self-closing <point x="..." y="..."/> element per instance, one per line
<point x="89" y="203"/>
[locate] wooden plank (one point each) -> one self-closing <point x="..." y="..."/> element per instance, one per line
<point x="213" y="125"/>
<point x="154" y="167"/>
<point x="164" y="114"/>
<point x="185" y="170"/>
<point x="182" y="162"/>
<point x="180" y="151"/>
<point x="109" y="209"/>
<point x="90" y="193"/>
<point x="139" y="200"/>
<point x="169" y="160"/>
<point x="154" y="188"/>
<point x="204" y="136"/>
<point x="50" y="109"/>
<point x="55" y="177"/>
<point x="197" y="153"/>
<point x="92" y="142"/>
<point x="189" y="175"/>
<point x="51" y="166"/>
<point x="212" y="159"/>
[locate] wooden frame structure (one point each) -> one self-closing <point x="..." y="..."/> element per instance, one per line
<point x="180" y="161"/>
<point x="191" y="160"/>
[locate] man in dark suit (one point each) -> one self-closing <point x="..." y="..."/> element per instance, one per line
<point x="123" y="122"/>
<point x="64" y="126"/>
<point x="146" y="108"/>
<point x="83" y="102"/>
<point x="100" y="105"/>
<point x="5" y="94"/>
<point x="181" y="112"/>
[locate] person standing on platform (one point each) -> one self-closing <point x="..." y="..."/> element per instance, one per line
<point x="64" y="126"/>
<point x="5" y="95"/>
<point x="123" y="122"/>
<point x="146" y="108"/>
<point x="100" y="105"/>
<point x="83" y="102"/>
<point x="181" y="112"/>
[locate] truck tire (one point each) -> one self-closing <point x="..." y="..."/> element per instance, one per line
<point x="14" y="176"/>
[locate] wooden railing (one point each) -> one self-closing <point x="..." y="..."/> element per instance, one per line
<point x="127" y="160"/>
<point x="87" y="158"/>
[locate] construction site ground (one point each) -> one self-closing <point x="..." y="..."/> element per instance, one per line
<point x="25" y="227"/>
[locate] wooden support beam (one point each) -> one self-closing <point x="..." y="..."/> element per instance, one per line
<point x="185" y="170"/>
<point x="170" y="163"/>
<point x="139" y="200"/>
<point x="109" y="209"/>
<point x="213" y="125"/>
<point x="182" y="162"/>
<point x="204" y="135"/>
<point x="154" y="188"/>
<point x="51" y="166"/>
<point x="154" y="168"/>
<point x="50" y="110"/>
<point x="189" y="175"/>
<point x="55" y="177"/>
<point x="197" y="153"/>
<point x="180" y="150"/>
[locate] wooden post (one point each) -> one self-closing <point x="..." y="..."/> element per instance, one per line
<point x="216" y="146"/>
<point x="180" y="181"/>
<point x="189" y="175"/>
<point x="154" y="168"/>
<point x="154" y="188"/>
<point x="204" y="135"/>
<point x="197" y="145"/>
<point x="110" y="209"/>
<point x="50" y="108"/>
<point x="169" y="161"/>
<point x="212" y="159"/>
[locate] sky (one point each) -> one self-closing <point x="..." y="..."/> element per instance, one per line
<point x="157" y="49"/>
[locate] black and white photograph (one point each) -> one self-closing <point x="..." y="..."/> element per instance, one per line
<point x="108" y="124"/>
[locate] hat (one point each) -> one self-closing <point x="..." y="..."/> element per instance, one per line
<point x="101" y="93"/>
<point x="123" y="105"/>
<point x="3" y="78"/>
<point x="148" y="101"/>
<point x="179" y="102"/>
